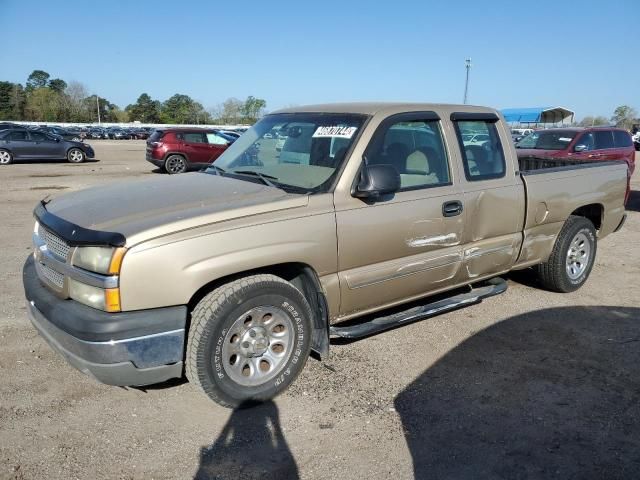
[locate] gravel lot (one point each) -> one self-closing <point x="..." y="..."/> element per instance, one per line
<point x="529" y="384"/>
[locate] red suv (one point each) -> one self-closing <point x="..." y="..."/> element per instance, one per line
<point x="177" y="150"/>
<point x="595" y="144"/>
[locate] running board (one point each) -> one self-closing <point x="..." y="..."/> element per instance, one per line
<point x="494" y="286"/>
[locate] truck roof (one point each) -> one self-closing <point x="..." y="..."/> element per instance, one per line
<point x="372" y="108"/>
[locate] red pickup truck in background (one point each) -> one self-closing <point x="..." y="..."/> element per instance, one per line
<point x="596" y="144"/>
<point x="566" y="145"/>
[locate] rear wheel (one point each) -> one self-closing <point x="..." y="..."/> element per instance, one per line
<point x="5" y="157"/>
<point x="175" y="164"/>
<point x="572" y="257"/>
<point x="75" y="155"/>
<point x="248" y="340"/>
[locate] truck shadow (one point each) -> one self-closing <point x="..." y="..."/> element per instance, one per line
<point x="250" y="446"/>
<point x="634" y="201"/>
<point x="550" y="393"/>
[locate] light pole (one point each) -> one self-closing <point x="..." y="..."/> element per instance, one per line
<point x="467" y="65"/>
<point x="98" y="105"/>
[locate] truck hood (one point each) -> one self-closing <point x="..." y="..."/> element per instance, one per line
<point x="144" y="209"/>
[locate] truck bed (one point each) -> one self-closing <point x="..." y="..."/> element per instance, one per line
<point x="556" y="188"/>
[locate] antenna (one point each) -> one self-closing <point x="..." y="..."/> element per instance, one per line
<point x="467" y="66"/>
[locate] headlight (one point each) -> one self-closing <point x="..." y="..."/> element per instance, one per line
<point x="105" y="260"/>
<point x="107" y="300"/>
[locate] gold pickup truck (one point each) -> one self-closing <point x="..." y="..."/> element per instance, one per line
<point x="315" y="216"/>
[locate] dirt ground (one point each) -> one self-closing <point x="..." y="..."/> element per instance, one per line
<point x="529" y="384"/>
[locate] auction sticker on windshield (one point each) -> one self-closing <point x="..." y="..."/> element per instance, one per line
<point x="336" y="131"/>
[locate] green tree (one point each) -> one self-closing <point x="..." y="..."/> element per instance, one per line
<point x="252" y="109"/>
<point x="121" y="116"/>
<point x="11" y="101"/>
<point x="57" y="85"/>
<point x="624" y="116"/>
<point x="74" y="107"/>
<point x="108" y="110"/>
<point x="145" y="110"/>
<point x="231" y="111"/>
<point x="590" y="121"/>
<point x="37" y="79"/>
<point x="183" y="109"/>
<point x="43" y="105"/>
<point x="17" y="101"/>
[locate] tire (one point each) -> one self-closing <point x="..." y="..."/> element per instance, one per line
<point x="75" y="155"/>
<point x="248" y="340"/>
<point x="175" y="164"/>
<point x="572" y="257"/>
<point x="5" y="157"/>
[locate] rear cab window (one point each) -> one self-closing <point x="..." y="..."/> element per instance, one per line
<point x="622" y="139"/>
<point x="603" y="139"/>
<point x="482" y="159"/>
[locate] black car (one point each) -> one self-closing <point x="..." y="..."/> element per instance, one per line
<point x="23" y="144"/>
<point x="5" y="126"/>
<point x="61" y="132"/>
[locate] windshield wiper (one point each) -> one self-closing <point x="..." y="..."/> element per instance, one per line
<point x="261" y="176"/>
<point x="217" y="169"/>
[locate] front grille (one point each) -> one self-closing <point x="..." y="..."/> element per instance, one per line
<point x="54" y="244"/>
<point x="50" y="274"/>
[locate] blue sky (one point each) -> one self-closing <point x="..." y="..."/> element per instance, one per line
<point x="583" y="55"/>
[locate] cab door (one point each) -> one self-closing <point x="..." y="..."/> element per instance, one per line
<point x="407" y="244"/>
<point x="493" y="197"/>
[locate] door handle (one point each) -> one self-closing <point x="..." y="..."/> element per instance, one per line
<point x="594" y="155"/>
<point x="451" y="209"/>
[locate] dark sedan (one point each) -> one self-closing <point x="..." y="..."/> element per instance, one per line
<point x="23" y="144"/>
<point x="61" y="132"/>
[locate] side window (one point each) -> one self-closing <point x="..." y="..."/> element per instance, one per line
<point x="17" y="135"/>
<point x="193" y="137"/>
<point x="416" y="150"/>
<point x="214" y="139"/>
<point x="586" y="140"/>
<point x="603" y="139"/>
<point x="622" y="139"/>
<point x="38" y="137"/>
<point x="482" y="153"/>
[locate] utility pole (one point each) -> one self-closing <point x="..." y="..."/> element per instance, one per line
<point x="98" y="104"/>
<point x="467" y="65"/>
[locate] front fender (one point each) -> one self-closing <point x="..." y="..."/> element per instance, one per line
<point x="163" y="274"/>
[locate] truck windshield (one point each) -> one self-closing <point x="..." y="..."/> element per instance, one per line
<point x="298" y="152"/>
<point x="548" y="140"/>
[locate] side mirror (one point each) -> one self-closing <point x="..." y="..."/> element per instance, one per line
<point x="377" y="181"/>
<point x="580" y="148"/>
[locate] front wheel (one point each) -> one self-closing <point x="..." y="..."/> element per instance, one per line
<point x="248" y="340"/>
<point x="572" y="257"/>
<point x="75" y="155"/>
